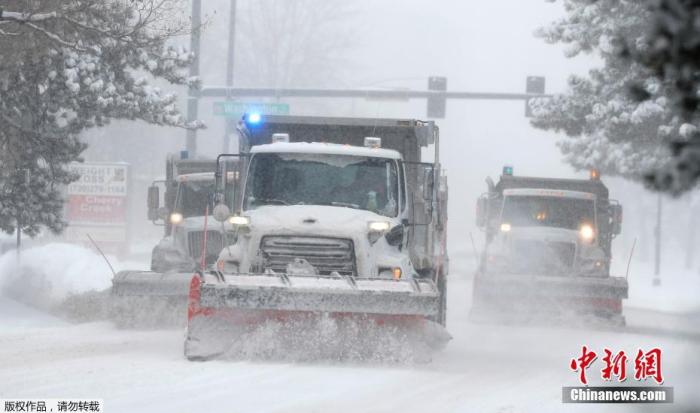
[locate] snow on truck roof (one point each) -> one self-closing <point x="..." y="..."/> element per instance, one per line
<point x="559" y="193"/>
<point x="326" y="149"/>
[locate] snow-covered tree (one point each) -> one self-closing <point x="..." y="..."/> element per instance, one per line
<point x="672" y="52"/>
<point x="70" y="65"/>
<point x="607" y="126"/>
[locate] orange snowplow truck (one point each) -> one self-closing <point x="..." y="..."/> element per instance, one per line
<point x="548" y="250"/>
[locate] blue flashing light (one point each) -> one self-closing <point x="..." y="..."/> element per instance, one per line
<point x="253" y="118"/>
<point x="508" y="170"/>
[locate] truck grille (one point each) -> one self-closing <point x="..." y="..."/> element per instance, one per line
<point x="325" y="254"/>
<point x="214" y="245"/>
<point x="543" y="257"/>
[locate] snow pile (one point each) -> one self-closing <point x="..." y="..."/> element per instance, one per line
<point x="47" y="274"/>
<point x="677" y="292"/>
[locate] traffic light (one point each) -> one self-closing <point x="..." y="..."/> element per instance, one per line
<point x="534" y="85"/>
<point x="437" y="104"/>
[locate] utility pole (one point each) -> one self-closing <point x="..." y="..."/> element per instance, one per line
<point x="657" y="234"/>
<point x="192" y="98"/>
<point x="228" y="129"/>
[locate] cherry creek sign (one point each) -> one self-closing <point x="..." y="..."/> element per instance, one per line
<point x="97" y="205"/>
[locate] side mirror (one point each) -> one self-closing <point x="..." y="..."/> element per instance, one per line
<point x="616" y="218"/>
<point x="482" y="209"/>
<point x="162" y="213"/>
<point x="395" y="236"/>
<point x="153" y="202"/>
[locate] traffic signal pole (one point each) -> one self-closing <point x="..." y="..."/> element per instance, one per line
<point x="192" y="97"/>
<point x="436" y="95"/>
<point x="359" y="93"/>
<point x="228" y="130"/>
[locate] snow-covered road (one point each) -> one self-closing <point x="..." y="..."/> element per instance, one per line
<point x="484" y="368"/>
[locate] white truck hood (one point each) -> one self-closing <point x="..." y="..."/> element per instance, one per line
<point x="313" y="219"/>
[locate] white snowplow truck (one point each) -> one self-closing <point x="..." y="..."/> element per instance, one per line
<point x="159" y="296"/>
<point x="337" y="219"/>
<point x="548" y="251"/>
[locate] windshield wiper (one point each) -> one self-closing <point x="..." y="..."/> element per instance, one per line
<point x="271" y="201"/>
<point x="345" y="204"/>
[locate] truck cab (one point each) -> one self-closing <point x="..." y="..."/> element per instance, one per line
<point x="189" y="194"/>
<point x="346" y="197"/>
<point x="548" y="226"/>
<point x="548" y="249"/>
<point x="322" y="208"/>
<point x="548" y="231"/>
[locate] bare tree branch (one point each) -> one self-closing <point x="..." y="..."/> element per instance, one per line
<point x="26" y="17"/>
<point x="54" y="37"/>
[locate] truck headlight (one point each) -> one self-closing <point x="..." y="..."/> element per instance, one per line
<point x="376" y="230"/>
<point x="176" y="218"/>
<point x="586" y="232"/>
<point x="379" y="226"/>
<point x="505" y="227"/>
<point x="239" y="220"/>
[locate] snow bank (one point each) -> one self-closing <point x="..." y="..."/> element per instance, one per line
<point x="677" y="292"/>
<point x="47" y="274"/>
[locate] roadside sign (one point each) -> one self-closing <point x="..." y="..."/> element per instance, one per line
<point x="237" y="109"/>
<point x="97" y="205"/>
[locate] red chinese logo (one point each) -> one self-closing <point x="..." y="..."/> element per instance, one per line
<point x="614" y="366"/>
<point x="646" y="365"/>
<point x="582" y="363"/>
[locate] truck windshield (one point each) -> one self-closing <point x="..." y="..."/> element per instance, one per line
<point x="338" y="180"/>
<point x="193" y="196"/>
<point x="545" y="211"/>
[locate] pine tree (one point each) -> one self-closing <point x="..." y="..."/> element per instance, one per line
<point x="607" y="126"/>
<point x="66" y="66"/>
<point x="672" y="53"/>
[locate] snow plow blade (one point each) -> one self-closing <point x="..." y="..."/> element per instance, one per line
<point x="222" y="310"/>
<point x="149" y="299"/>
<point x="499" y="297"/>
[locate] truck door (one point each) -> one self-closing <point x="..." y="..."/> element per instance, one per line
<point x="420" y="179"/>
<point x="230" y="177"/>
